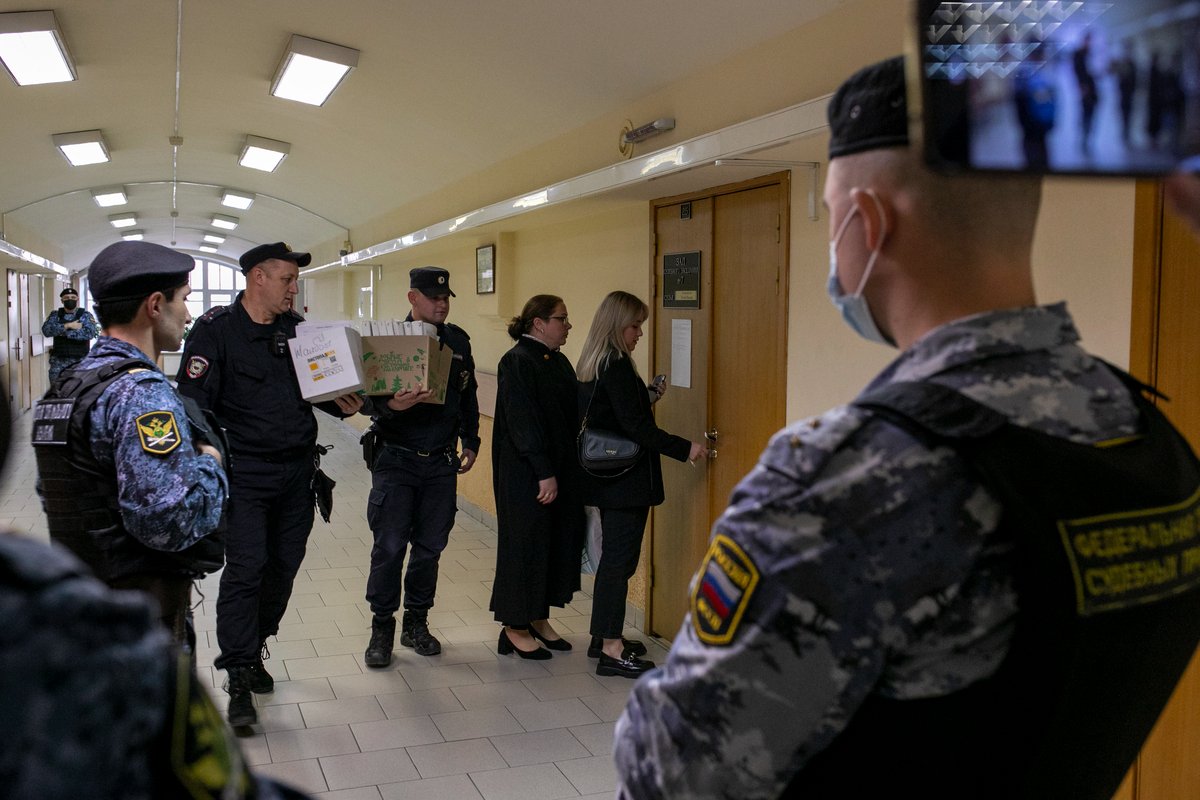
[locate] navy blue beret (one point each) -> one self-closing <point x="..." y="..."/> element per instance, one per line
<point x="132" y="270"/>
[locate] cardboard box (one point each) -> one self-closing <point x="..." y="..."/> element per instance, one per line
<point x="392" y="364"/>
<point x="327" y="359"/>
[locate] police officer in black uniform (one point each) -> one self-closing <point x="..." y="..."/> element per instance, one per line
<point x="414" y="463"/>
<point x="237" y="364"/>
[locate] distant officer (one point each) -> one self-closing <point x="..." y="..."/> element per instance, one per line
<point x="981" y="578"/>
<point x="237" y="364"/>
<point x="73" y="330"/>
<point x="128" y="481"/>
<point x="414" y="481"/>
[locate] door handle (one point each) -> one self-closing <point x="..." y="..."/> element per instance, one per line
<point x="713" y="435"/>
<point x="17" y="347"/>
<point x="712" y="454"/>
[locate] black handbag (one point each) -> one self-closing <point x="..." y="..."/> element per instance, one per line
<point x="603" y="453"/>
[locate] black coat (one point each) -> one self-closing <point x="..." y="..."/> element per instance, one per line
<point x="533" y="438"/>
<point x="622" y="405"/>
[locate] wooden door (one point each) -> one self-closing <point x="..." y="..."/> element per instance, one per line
<point x="19" y="341"/>
<point x="734" y="347"/>
<point x="1165" y="352"/>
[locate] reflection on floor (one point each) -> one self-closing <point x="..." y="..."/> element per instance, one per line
<point x="465" y="724"/>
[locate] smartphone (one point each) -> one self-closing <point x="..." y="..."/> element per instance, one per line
<point x="659" y="380"/>
<point x="1057" y="87"/>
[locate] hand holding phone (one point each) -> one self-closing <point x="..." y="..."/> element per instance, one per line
<point x="658" y="386"/>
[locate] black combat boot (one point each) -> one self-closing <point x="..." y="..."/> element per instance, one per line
<point x="261" y="681"/>
<point x="414" y="632"/>
<point x="241" y="705"/>
<point x="383" y="634"/>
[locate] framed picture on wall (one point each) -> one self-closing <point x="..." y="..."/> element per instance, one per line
<point x="485" y="269"/>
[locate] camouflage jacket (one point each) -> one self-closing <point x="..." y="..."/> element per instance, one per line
<point x="852" y="560"/>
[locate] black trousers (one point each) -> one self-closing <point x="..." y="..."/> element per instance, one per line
<point x="411" y="510"/>
<point x="270" y="518"/>
<point x="623" y="529"/>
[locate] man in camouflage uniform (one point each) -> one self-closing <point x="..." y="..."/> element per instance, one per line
<point x="73" y="330"/>
<point x="127" y="481"/>
<point x="860" y="592"/>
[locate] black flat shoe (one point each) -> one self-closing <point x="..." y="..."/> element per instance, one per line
<point x="559" y="644"/>
<point x="505" y="647"/>
<point x="627" y="666"/>
<point x="631" y="646"/>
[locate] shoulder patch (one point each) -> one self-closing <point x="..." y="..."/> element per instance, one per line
<point x="196" y="367"/>
<point x="158" y="432"/>
<point x="214" y="312"/>
<point x="724" y="585"/>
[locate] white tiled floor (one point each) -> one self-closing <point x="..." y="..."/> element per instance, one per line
<point x="465" y="724"/>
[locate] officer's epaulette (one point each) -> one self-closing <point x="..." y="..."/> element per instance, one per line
<point x="292" y="313"/>
<point x="216" y="311"/>
<point x="457" y="329"/>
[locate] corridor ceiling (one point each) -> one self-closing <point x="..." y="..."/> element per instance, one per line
<point x="442" y="91"/>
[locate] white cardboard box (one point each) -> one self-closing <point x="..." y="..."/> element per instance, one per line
<point x="327" y="358"/>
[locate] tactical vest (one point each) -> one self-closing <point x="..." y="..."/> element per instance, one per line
<point x="66" y="347"/>
<point x="80" y="497"/>
<point x="1106" y="544"/>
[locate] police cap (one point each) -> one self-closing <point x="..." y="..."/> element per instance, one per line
<point x="132" y="270"/>
<point x="430" y="281"/>
<point x="256" y="255"/>
<point x="870" y="110"/>
<point x="69" y="290"/>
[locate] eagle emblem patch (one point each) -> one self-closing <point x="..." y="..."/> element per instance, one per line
<point x="158" y="432"/>
<point x="197" y="366"/>
<point x="724" y="585"/>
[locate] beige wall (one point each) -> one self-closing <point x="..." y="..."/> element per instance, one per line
<point x="1083" y="250"/>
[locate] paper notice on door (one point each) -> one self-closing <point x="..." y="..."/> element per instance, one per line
<point x="681" y="353"/>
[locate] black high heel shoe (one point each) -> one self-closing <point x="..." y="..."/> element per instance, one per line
<point x="505" y="646"/>
<point x="559" y="644"/>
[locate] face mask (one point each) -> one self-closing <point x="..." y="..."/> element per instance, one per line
<point x="853" y="307"/>
<point x="69" y="305"/>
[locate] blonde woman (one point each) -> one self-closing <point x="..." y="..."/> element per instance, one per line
<point x="618" y="400"/>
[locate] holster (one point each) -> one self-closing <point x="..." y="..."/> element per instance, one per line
<point x="370" y="447"/>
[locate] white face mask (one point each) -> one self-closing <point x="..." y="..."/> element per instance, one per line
<point x="853" y="307"/>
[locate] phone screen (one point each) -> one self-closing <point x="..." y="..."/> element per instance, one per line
<point x="1054" y="86"/>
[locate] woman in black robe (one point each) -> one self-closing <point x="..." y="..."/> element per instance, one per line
<point x="535" y="474"/>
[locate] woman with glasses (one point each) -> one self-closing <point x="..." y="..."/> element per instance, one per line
<point x="536" y="479"/>
<point x="618" y="400"/>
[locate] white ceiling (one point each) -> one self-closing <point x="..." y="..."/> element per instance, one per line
<point x="442" y="91"/>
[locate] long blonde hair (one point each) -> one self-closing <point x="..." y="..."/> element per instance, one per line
<point x="606" y="337"/>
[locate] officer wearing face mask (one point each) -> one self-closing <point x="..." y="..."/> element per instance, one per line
<point x="73" y="329"/>
<point x="969" y="582"/>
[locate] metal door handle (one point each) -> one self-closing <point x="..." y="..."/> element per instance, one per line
<point x="712" y="454"/>
<point x="713" y="435"/>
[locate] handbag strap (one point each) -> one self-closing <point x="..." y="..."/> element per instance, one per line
<point x="595" y="386"/>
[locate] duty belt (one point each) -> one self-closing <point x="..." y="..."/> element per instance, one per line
<point x="437" y="451"/>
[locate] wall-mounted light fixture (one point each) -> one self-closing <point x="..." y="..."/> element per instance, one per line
<point x="224" y="222"/>
<point x="644" y="132"/>
<point x="33" y="50"/>
<point x="110" y="196"/>
<point x="214" y="238"/>
<point x="238" y="200"/>
<point x="133" y="236"/>
<point x="82" y="147"/>
<point x="123" y="220"/>
<point x="264" y="154"/>
<point x="311" y="69"/>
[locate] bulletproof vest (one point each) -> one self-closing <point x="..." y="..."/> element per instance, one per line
<point x="65" y="347"/>
<point x="80" y="497"/>
<point x="1106" y="547"/>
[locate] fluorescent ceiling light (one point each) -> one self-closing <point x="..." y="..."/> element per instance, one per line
<point x="33" y="50"/>
<point x="237" y="200"/>
<point x="264" y="154"/>
<point x="208" y="248"/>
<point x="311" y="70"/>
<point x="133" y="236"/>
<point x="123" y="220"/>
<point x="82" y="147"/>
<point x="224" y="222"/>
<point x="214" y="238"/>
<point x="110" y="196"/>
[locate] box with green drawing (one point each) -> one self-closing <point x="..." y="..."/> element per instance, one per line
<point x="393" y="364"/>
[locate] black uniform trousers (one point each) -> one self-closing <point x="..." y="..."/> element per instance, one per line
<point x="270" y="519"/>
<point x="412" y="502"/>
<point x="622" y="530"/>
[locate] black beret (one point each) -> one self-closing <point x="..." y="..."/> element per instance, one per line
<point x="430" y="281"/>
<point x="255" y="256"/>
<point x="869" y="110"/>
<point x="68" y="290"/>
<point x="132" y="270"/>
